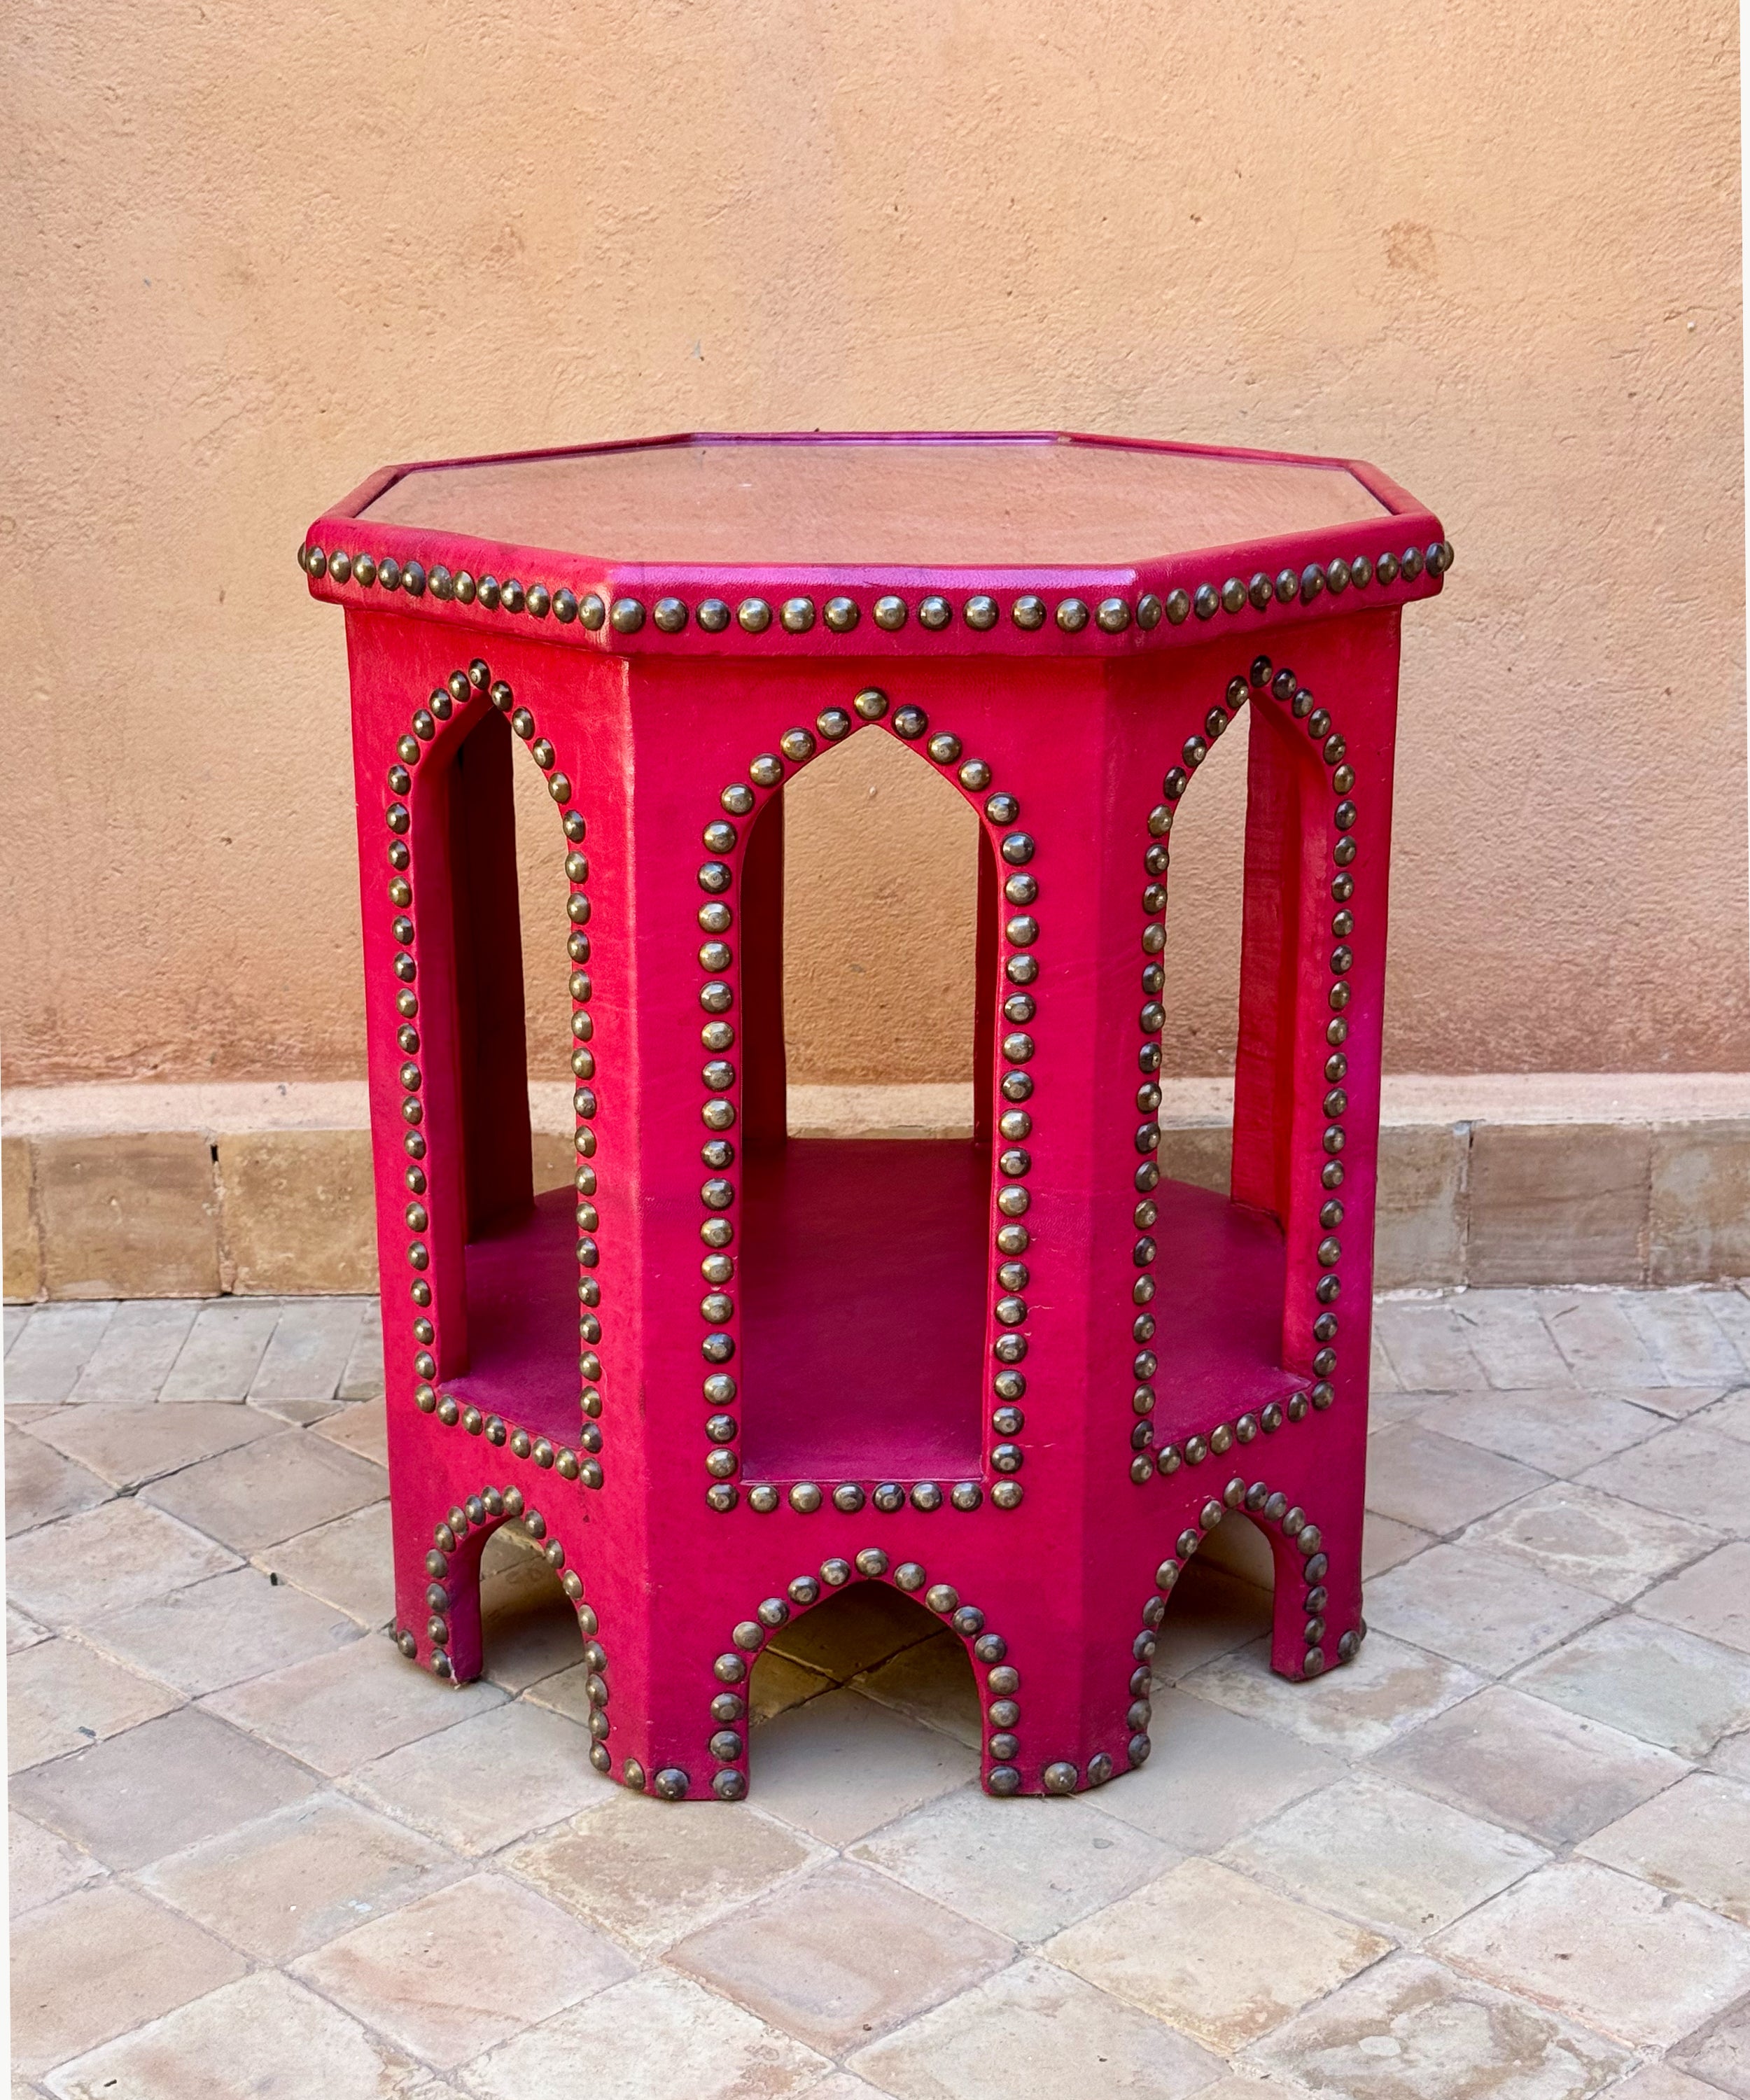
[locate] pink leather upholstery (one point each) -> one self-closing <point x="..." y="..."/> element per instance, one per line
<point x="727" y="1373"/>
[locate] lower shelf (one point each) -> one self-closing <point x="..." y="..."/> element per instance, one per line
<point x="861" y="1274"/>
<point x="862" y="1278"/>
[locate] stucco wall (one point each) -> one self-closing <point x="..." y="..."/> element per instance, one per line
<point x="250" y="253"/>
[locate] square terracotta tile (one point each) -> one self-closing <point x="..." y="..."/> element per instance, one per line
<point x="840" y="1954"/>
<point x="342" y="1708"/>
<point x="1387" y="1543"/>
<point x="1211" y="1774"/>
<point x="842" y="1766"/>
<point x="1606" y="1950"/>
<point x="127" y="1446"/>
<point x="1561" y="1429"/>
<point x="1720" y="2053"/>
<point x="1437" y="1483"/>
<point x="856" y="1630"/>
<point x="264" y="2035"/>
<point x="1478" y="1608"/>
<point x="44" y="1362"/>
<point x="363" y="1377"/>
<point x="224" y="1347"/>
<point x="1429" y="1348"/>
<point x="363" y="1428"/>
<point x="1394" y="1858"/>
<point x="287" y="1883"/>
<point x="1509" y="1338"/>
<point x="1026" y="1867"/>
<point x="1693" y="1840"/>
<point x="95" y="1964"/>
<point x="134" y="1353"/>
<point x="42" y="1866"/>
<point x="1034" y="2032"/>
<point x="308" y="1352"/>
<point x="648" y="1875"/>
<point x="105" y="1560"/>
<point x="165" y="1785"/>
<point x="62" y="1695"/>
<point x="930" y="1682"/>
<point x="1214" y="1954"/>
<point x="269" y="1490"/>
<point x="1682" y="1336"/>
<point x="214" y="1633"/>
<point x="488" y="1780"/>
<point x="657" y="2037"/>
<point x="1529" y="1766"/>
<point x="464" y="1968"/>
<point x="40" y="1485"/>
<point x="1689" y="1472"/>
<point x="1599" y="1341"/>
<point x="1711" y="1599"/>
<point x="348" y="1564"/>
<point x="1386" y="1691"/>
<point x="1595" y="1541"/>
<point x="1412" y="2030"/>
<point x="1653" y="1681"/>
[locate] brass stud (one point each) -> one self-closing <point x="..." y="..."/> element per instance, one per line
<point x="1071" y="614"/>
<point x="1028" y="612"/>
<point x="890" y="614"/>
<point x="713" y="616"/>
<point x="670" y="614"/>
<point x="840" y="615"/>
<point x="934" y="612"/>
<point x="981" y="612"/>
<point x="798" y="614"/>
<point x="627" y="615"/>
<point x="754" y="616"/>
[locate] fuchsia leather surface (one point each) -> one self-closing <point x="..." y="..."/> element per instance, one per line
<point x="727" y="1374"/>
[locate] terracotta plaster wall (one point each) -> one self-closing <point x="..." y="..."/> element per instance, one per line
<point x="249" y="252"/>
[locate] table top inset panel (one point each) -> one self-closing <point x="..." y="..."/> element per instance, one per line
<point x="917" y="502"/>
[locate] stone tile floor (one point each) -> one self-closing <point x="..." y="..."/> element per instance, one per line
<point x="1506" y="1853"/>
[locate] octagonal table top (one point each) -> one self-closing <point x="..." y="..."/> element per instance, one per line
<point x="945" y="540"/>
<point x="961" y="502"/>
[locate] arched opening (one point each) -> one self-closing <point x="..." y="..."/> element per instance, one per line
<point x="866" y="955"/>
<point x="529" y="1633"/>
<point x="1201" y="961"/>
<point x="871" y="1642"/>
<point x="1223" y="1600"/>
<point x="1218" y="1266"/>
<point x="493" y="1014"/>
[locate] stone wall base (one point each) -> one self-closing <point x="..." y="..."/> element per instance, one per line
<point x="1489" y="1179"/>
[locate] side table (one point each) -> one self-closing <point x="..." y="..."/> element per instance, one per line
<point x="1020" y="1378"/>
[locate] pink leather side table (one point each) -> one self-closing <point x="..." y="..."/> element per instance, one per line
<point x="728" y="1373"/>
